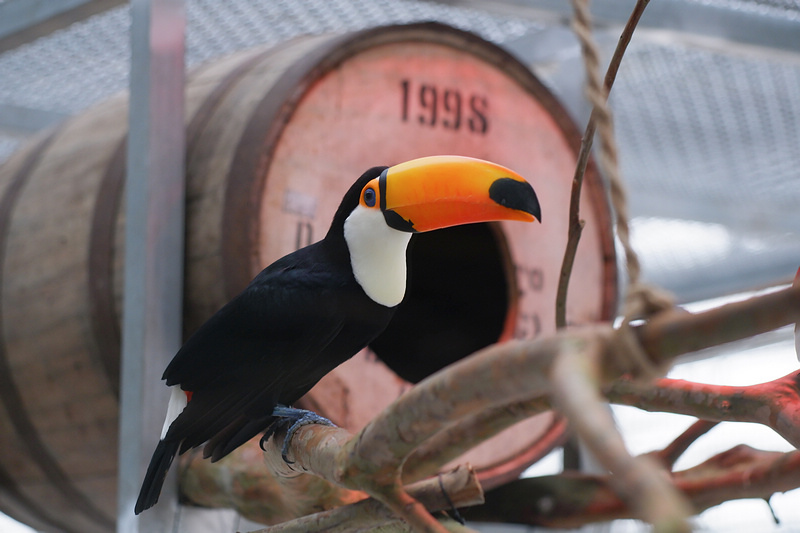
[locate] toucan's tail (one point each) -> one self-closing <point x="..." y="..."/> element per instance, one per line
<point x="156" y="473"/>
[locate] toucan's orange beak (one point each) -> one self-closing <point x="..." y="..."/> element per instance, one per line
<point x="441" y="191"/>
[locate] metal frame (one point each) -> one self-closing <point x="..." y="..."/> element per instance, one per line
<point x="22" y="21"/>
<point x="154" y="234"/>
<point x="17" y="15"/>
<point x="750" y="24"/>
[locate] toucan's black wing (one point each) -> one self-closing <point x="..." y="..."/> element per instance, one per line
<point x="288" y="308"/>
<point x="260" y="349"/>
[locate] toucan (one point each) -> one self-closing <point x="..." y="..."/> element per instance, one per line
<point x="313" y="309"/>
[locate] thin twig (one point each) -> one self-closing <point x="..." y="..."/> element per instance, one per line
<point x="677" y="447"/>
<point x="575" y="222"/>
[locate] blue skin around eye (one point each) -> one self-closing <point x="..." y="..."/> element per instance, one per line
<point x="369" y="198"/>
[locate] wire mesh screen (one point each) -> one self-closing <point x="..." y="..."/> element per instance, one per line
<point x="708" y="133"/>
<point x="728" y="122"/>
<point x="75" y="67"/>
<point x="709" y="148"/>
<point x="784" y="7"/>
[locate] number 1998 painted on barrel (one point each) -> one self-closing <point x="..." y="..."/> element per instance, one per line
<point x="446" y="107"/>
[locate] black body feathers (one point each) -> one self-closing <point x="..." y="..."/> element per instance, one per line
<point x="297" y="320"/>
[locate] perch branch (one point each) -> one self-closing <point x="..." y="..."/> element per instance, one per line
<point x="500" y="375"/>
<point x="372" y="460"/>
<point x="458" y="488"/>
<point x="241" y="482"/>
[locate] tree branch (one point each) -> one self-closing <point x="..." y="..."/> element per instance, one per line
<point x="241" y="481"/>
<point x="503" y="375"/>
<point x="576" y="392"/>
<point x="572" y="500"/>
<point x="462" y="436"/>
<point x="675" y="332"/>
<point x="458" y="488"/>
<point x="677" y="447"/>
<point x="775" y="404"/>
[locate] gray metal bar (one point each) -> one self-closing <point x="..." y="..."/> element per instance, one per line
<point x="154" y="249"/>
<point x="16" y="15"/>
<point x="26" y="120"/>
<point x="23" y="21"/>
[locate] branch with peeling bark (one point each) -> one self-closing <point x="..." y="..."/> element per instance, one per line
<point x="458" y="488"/>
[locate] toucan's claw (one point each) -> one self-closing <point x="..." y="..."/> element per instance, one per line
<point x="294" y="419"/>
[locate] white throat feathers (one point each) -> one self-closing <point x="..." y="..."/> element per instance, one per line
<point x="377" y="255"/>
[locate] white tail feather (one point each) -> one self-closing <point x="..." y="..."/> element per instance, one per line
<point x="177" y="403"/>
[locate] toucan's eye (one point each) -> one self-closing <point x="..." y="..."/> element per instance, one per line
<point x="369" y="197"/>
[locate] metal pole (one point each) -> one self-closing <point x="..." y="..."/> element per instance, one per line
<point x="153" y="289"/>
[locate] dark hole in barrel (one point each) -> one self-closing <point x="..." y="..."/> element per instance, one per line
<point x="456" y="302"/>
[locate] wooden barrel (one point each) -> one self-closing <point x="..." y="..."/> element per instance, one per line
<point x="274" y="138"/>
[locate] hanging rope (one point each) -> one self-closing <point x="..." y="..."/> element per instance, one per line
<point x="640" y="299"/>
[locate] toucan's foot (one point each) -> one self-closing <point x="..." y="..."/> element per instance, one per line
<point x="294" y="419"/>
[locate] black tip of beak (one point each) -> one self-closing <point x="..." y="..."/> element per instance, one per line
<point x="517" y="195"/>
